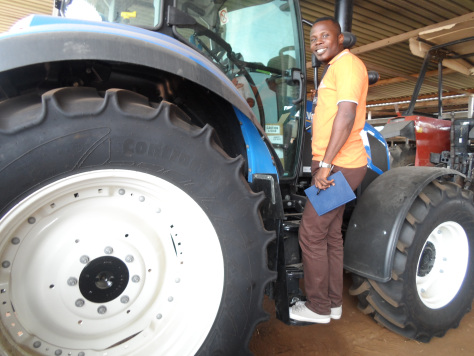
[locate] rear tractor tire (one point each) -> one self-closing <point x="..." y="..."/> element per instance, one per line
<point x="432" y="285"/>
<point x="124" y="230"/>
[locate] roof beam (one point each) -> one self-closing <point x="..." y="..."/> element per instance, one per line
<point x="405" y="36"/>
<point x="423" y="104"/>
<point x="399" y="79"/>
<point x="426" y="81"/>
<point x="407" y="98"/>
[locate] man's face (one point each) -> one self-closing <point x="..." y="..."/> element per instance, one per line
<point x="326" y="41"/>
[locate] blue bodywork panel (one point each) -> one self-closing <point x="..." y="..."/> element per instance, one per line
<point x="259" y="158"/>
<point x="370" y="130"/>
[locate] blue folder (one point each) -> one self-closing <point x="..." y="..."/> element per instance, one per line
<point x="332" y="197"/>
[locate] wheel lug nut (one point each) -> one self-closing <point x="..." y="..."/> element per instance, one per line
<point x="16" y="240"/>
<point x="108" y="250"/>
<point x="58" y="352"/>
<point x="71" y="281"/>
<point x="135" y="279"/>
<point x="84" y="259"/>
<point x="102" y="309"/>
<point x="125" y="299"/>
<point x="80" y="303"/>
<point x="129" y="258"/>
<point x="6" y="264"/>
<point x="37" y="344"/>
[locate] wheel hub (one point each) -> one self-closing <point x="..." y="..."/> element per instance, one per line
<point x="428" y="258"/>
<point x="103" y="279"/>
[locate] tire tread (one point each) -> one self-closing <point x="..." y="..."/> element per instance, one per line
<point x="387" y="302"/>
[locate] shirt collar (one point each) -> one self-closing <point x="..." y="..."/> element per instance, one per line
<point x="346" y="51"/>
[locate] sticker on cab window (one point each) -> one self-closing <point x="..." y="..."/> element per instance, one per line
<point x="223" y="16"/>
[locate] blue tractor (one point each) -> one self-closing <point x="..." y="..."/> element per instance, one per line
<point x="152" y="168"/>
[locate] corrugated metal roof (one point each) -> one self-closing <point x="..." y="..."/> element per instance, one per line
<point x="12" y="11"/>
<point x="378" y="24"/>
<point x="376" y="21"/>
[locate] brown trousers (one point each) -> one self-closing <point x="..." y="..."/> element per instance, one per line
<point x="321" y="244"/>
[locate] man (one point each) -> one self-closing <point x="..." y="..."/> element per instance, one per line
<point x="337" y="146"/>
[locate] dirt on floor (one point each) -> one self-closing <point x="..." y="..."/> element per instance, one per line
<point x="354" y="334"/>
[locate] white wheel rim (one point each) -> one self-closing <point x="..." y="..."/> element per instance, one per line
<point x="160" y="235"/>
<point x="441" y="270"/>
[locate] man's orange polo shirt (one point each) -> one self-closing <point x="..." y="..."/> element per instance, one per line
<point x="345" y="80"/>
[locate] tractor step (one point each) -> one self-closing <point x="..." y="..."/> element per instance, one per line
<point x="290" y="271"/>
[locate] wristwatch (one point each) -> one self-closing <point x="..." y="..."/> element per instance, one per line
<point x="324" y="165"/>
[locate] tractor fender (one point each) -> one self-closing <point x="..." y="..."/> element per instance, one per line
<point x="48" y="39"/>
<point x="375" y="224"/>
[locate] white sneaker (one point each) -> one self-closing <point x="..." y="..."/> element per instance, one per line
<point x="300" y="312"/>
<point x="336" y="313"/>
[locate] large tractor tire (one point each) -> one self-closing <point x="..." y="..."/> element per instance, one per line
<point x="432" y="285"/>
<point x="124" y="230"/>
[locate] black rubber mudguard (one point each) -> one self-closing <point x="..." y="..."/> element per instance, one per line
<point x="375" y="225"/>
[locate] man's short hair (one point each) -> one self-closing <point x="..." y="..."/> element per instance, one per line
<point x="329" y="18"/>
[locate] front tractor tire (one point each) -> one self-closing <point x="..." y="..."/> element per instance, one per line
<point x="432" y="285"/>
<point x="124" y="230"/>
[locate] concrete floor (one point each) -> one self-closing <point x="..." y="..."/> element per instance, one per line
<point x="354" y="334"/>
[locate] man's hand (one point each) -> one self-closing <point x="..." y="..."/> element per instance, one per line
<point x="320" y="179"/>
